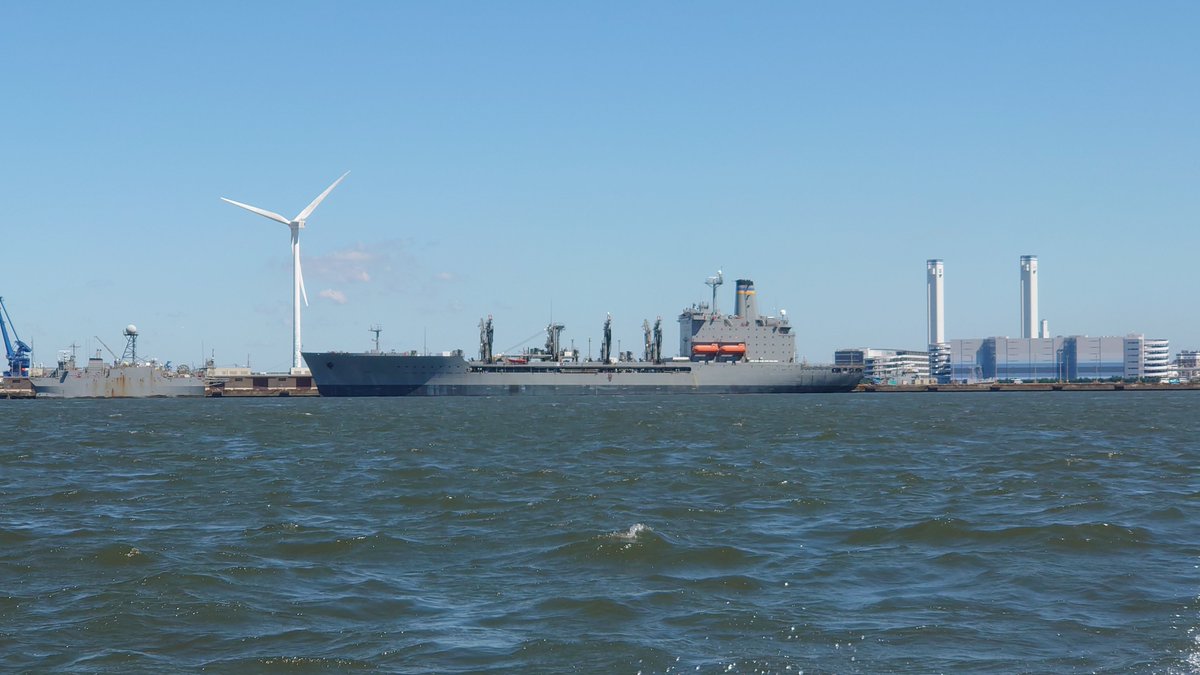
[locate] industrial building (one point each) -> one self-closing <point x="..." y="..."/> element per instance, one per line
<point x="1188" y="365"/>
<point x="1071" y="358"/>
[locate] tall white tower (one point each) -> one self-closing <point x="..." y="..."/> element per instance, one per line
<point x="1029" y="296"/>
<point x="935" y="308"/>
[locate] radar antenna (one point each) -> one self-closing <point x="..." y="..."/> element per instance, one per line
<point x="714" y="282"/>
<point x="130" y="354"/>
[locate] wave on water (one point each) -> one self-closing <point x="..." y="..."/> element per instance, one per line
<point x="637" y="543"/>
<point x="634" y="532"/>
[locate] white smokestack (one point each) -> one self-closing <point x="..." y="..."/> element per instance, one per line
<point x="1029" y="295"/>
<point x="934" y="303"/>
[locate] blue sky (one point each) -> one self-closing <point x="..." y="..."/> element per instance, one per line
<point x="568" y="160"/>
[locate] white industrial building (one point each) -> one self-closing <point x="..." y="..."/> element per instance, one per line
<point x="886" y="366"/>
<point x="1064" y="359"/>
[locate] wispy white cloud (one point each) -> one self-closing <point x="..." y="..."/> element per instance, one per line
<point x="336" y="296"/>
<point x="347" y="266"/>
<point x="390" y="265"/>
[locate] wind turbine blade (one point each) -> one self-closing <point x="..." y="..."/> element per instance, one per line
<point x="300" y="273"/>
<point x="311" y="207"/>
<point x="262" y="212"/>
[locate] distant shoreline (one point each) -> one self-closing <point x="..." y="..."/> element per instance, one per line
<point x="1026" y="386"/>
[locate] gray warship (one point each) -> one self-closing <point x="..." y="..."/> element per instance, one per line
<point x="126" y="377"/>
<point x="741" y="353"/>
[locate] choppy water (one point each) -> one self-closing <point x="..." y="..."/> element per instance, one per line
<point x="1044" y="532"/>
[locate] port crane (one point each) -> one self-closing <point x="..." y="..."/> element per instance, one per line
<point x="18" y="355"/>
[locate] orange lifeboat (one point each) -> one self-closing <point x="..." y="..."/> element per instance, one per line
<point x="706" y="349"/>
<point x="732" y="350"/>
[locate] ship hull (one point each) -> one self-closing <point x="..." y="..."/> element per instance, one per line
<point x="116" y="382"/>
<point x="346" y="374"/>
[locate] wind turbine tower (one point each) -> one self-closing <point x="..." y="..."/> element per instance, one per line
<point x="295" y="224"/>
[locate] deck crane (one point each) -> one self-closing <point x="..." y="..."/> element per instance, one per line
<point x="18" y="355"/>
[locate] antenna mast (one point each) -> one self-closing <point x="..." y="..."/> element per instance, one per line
<point x="376" y="329"/>
<point x="714" y="282"/>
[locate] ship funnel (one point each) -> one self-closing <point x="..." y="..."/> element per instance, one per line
<point x="745" y="305"/>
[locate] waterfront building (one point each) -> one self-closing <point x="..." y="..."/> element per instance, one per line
<point x="1094" y="358"/>
<point x="886" y="366"/>
<point x="1188" y="365"/>
<point x="1029" y="359"/>
<point x="972" y="360"/>
<point x="1077" y="357"/>
<point x="1147" y="357"/>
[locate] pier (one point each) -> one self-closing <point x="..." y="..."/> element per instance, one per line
<point x="260" y="385"/>
<point x="16" y="387"/>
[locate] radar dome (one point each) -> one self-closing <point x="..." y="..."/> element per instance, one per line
<point x="131" y="329"/>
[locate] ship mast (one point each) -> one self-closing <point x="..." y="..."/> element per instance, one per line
<point x="376" y="329"/>
<point x="714" y="282"/>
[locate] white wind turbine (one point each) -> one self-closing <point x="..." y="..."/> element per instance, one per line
<point x="296" y="224"/>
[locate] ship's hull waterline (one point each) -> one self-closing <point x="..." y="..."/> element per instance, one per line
<point x="348" y="374"/>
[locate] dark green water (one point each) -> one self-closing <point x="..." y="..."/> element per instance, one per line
<point x="1037" y="532"/>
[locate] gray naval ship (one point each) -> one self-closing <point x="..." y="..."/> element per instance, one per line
<point x="741" y="353"/>
<point x="125" y="378"/>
